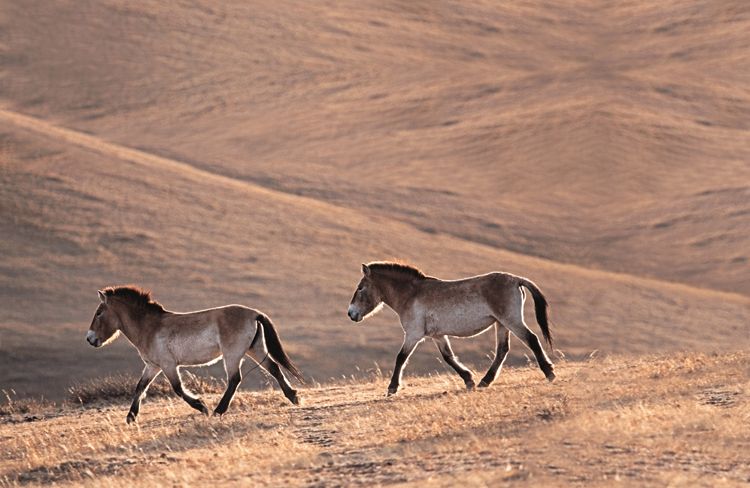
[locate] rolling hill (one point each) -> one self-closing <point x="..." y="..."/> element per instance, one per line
<point x="259" y="152"/>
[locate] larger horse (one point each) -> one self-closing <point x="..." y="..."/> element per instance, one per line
<point x="430" y="307"/>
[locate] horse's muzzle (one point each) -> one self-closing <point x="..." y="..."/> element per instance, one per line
<point x="354" y="315"/>
<point x="93" y="340"/>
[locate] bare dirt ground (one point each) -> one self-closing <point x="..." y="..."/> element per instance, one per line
<point x="655" y="421"/>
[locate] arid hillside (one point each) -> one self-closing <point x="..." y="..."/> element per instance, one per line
<point x="679" y="420"/>
<point x="258" y="152"/>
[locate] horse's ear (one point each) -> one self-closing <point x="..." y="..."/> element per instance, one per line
<point x="102" y="296"/>
<point x="365" y="270"/>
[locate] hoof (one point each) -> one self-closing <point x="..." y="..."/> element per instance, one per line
<point x="130" y="419"/>
<point x="294" y="398"/>
<point x="551" y="376"/>
<point x="549" y="371"/>
<point x="483" y="384"/>
<point x="219" y="413"/>
<point x="392" y="391"/>
<point x="470" y="386"/>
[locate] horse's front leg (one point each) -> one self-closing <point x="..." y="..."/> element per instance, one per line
<point x="410" y="343"/>
<point x="150" y="372"/>
<point x="173" y="374"/>
<point x="444" y="346"/>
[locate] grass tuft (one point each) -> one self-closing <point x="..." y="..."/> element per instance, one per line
<point x="121" y="387"/>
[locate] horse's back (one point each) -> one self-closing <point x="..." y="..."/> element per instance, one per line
<point x="470" y="287"/>
<point x="236" y="320"/>
<point x="227" y="316"/>
<point x="203" y="335"/>
<point x="464" y="307"/>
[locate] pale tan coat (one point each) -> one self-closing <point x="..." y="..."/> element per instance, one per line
<point x="168" y="340"/>
<point x="434" y="308"/>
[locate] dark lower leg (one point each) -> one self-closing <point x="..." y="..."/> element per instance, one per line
<point x="191" y="400"/>
<point x="232" y="383"/>
<point x="401" y="359"/>
<point x="462" y="371"/>
<point x="135" y="407"/>
<point x="445" y="349"/>
<point x="503" y="346"/>
<point x="149" y="373"/>
<point x="396" y="378"/>
<point x="541" y="358"/>
<point x="276" y="372"/>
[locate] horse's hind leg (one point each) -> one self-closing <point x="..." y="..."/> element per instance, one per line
<point x="286" y="387"/>
<point x="444" y="346"/>
<point x="234" y="378"/>
<point x="173" y="375"/>
<point x="503" y="346"/>
<point x="267" y="363"/>
<point x="521" y="331"/>
<point x="514" y="321"/>
<point x="150" y="372"/>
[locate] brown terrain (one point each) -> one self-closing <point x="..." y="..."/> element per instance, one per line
<point x="653" y="421"/>
<point x="258" y="152"/>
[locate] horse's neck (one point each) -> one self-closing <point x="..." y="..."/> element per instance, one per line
<point x="131" y="328"/>
<point x="396" y="290"/>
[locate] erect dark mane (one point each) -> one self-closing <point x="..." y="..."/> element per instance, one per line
<point x="137" y="298"/>
<point x="396" y="267"/>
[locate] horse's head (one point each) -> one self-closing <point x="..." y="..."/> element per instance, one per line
<point x="367" y="299"/>
<point x="105" y="325"/>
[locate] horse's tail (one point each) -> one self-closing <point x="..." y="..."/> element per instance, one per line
<point x="273" y="343"/>
<point x="540" y="306"/>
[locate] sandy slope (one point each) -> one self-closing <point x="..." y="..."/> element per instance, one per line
<point x="216" y="242"/>
<point x="257" y="153"/>
<point x="526" y="126"/>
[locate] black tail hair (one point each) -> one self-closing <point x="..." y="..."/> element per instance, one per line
<point x="541" y="307"/>
<point x="273" y="343"/>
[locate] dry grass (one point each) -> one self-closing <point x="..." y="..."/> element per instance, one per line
<point x="11" y="404"/>
<point x="118" y="387"/>
<point x="680" y="420"/>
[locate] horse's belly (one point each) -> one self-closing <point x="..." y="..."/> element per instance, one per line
<point x="198" y="349"/>
<point x="458" y="321"/>
<point x="201" y="357"/>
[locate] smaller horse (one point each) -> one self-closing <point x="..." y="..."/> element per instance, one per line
<point x="168" y="340"/>
<point x="430" y="307"/>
